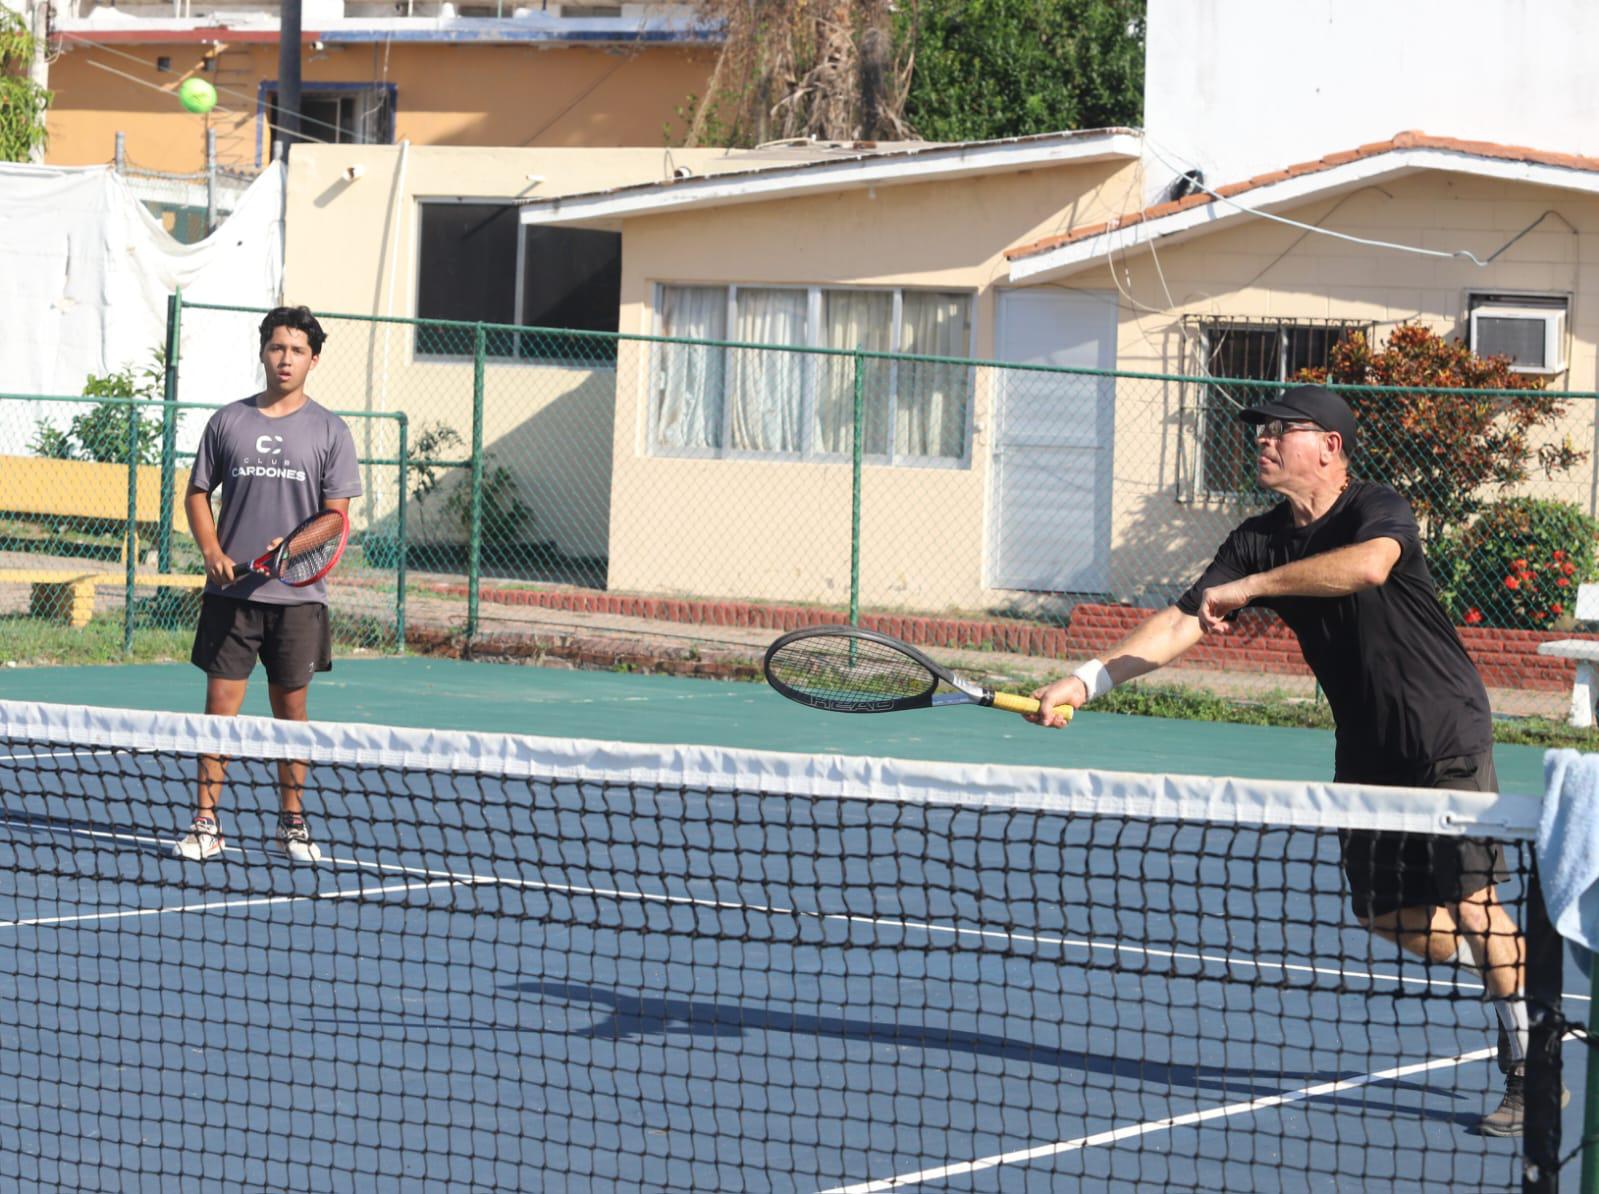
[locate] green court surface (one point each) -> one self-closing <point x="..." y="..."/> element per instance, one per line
<point x="460" y="695"/>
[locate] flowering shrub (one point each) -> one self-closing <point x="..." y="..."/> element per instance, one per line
<point x="1518" y="565"/>
<point x="1447" y="454"/>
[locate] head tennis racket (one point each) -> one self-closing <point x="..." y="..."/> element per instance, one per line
<point x="306" y="554"/>
<point x="850" y="670"/>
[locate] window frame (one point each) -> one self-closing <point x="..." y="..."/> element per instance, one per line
<point x="811" y="365"/>
<point x="515" y="356"/>
<point x="1206" y="326"/>
<point x="268" y="89"/>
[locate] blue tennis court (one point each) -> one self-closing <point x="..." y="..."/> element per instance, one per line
<point x="517" y="977"/>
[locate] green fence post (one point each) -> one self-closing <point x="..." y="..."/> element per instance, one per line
<point x="169" y="431"/>
<point x="475" y="531"/>
<point x="131" y="532"/>
<point x="400" y="534"/>
<point x="855" y="493"/>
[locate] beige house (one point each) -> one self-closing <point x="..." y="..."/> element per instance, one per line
<point x="1259" y="278"/>
<point x="727" y="472"/>
<point x="888" y="256"/>
<point x="1054" y="484"/>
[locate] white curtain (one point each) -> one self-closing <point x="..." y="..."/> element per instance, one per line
<point x="855" y="319"/>
<point x="930" y="414"/>
<point x="689" y="378"/>
<point x="766" y="389"/>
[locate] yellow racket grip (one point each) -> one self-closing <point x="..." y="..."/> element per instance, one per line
<point x="1021" y="704"/>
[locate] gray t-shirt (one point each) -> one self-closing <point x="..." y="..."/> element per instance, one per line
<point x="274" y="474"/>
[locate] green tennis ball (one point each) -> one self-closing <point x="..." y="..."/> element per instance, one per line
<point x="197" y="95"/>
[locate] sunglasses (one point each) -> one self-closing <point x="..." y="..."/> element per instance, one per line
<point x="1277" y="428"/>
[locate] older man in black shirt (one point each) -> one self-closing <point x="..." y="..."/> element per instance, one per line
<point x="1341" y="563"/>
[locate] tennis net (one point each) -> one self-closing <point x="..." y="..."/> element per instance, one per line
<point x="546" y="964"/>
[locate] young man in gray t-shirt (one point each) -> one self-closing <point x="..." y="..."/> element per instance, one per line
<point x="278" y="458"/>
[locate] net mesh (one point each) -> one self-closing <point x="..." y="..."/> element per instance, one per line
<point x="539" y="964"/>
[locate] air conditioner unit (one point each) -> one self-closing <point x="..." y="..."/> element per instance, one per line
<point x="1534" y="338"/>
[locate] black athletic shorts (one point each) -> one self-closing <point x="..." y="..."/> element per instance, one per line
<point x="1389" y="871"/>
<point x="293" y="641"/>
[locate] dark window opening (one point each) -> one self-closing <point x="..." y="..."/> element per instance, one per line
<point x="571" y="282"/>
<point x="1243" y="351"/>
<point x="342" y="116"/>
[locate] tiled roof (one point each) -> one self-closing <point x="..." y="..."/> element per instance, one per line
<point x="1407" y="140"/>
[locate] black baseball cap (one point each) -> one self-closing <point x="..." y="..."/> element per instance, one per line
<point x="1320" y="405"/>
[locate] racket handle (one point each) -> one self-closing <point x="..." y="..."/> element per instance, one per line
<point x="1021" y="704"/>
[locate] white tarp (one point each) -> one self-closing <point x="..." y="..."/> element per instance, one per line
<point x="85" y="272"/>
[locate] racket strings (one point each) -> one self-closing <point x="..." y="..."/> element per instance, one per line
<point x="841" y="670"/>
<point x="311" y="548"/>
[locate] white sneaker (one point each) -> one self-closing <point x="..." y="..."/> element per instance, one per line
<point x="203" y="841"/>
<point x="294" y="840"/>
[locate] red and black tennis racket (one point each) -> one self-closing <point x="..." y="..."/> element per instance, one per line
<point x="306" y="554"/>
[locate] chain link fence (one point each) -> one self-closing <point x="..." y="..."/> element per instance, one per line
<point x="188" y="205"/>
<point x="95" y="565"/>
<point x="628" y="500"/>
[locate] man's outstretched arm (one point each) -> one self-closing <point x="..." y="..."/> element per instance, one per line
<point x="1153" y="644"/>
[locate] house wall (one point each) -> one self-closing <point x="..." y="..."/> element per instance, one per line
<point x="780" y="528"/>
<point x="351" y="249"/>
<point x="1239" y="87"/>
<point x="1261" y="269"/>
<point x="446" y="94"/>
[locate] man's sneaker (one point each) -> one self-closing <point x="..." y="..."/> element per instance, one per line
<point x="204" y="840"/>
<point x="294" y="840"/>
<point x="1510" y="1117"/>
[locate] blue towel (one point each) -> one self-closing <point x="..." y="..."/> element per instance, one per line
<point x="1568" y="844"/>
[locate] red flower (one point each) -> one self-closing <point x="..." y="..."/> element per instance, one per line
<point x="1519" y="565"/>
<point x="1562" y="582"/>
<point x="1557" y="608"/>
<point x="1560" y="555"/>
<point x="1512" y="582"/>
<point x="1568" y="567"/>
<point x="1473" y="616"/>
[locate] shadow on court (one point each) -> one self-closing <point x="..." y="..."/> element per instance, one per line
<point x="632" y="1017"/>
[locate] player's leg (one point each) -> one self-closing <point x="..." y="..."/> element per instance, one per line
<point x="227" y="641"/>
<point x="299" y="644"/>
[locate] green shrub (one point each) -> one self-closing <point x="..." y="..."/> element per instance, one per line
<point x="1518" y="564"/>
<point x="101" y="432"/>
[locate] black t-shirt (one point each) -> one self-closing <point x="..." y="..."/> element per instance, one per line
<point x="1403" y="691"/>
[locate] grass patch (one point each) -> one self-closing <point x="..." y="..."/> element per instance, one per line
<point x="1189" y="704"/>
<point x="1192" y="704"/>
<point x="34" y="642"/>
<point x="37" y="642"/>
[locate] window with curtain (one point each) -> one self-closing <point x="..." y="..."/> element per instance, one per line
<point x="713" y="400"/>
<point x="933" y="397"/>
<point x="689" y="378"/>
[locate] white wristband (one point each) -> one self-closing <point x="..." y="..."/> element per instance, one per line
<point x="1096" y="678"/>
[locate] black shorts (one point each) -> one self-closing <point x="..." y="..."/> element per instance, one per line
<point x="293" y="641"/>
<point x="1389" y="871"/>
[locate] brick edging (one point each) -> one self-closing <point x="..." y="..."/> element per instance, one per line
<point x="1260" y="642"/>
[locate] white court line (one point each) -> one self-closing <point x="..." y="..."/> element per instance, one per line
<point x="56" y="754"/>
<point x="467" y="878"/>
<point x="1114" y="1135"/>
<point x="218" y="905"/>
